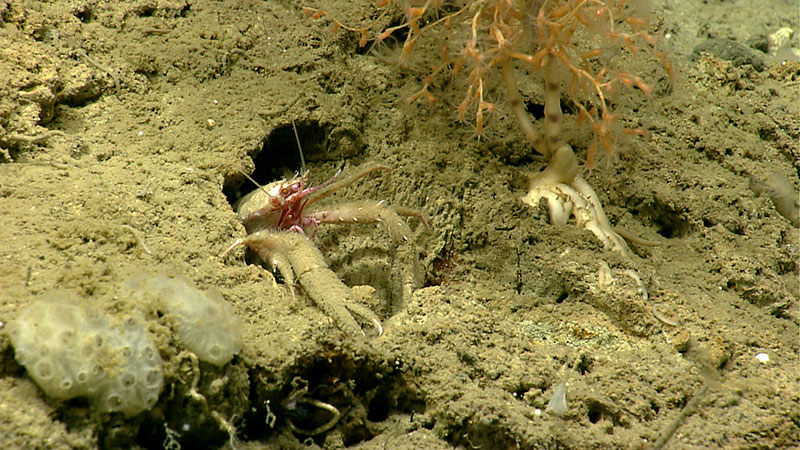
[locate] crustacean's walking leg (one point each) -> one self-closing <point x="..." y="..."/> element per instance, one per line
<point x="294" y="255"/>
<point x="354" y="175"/>
<point x="367" y="211"/>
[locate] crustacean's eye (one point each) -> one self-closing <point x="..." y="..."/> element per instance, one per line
<point x="284" y="191"/>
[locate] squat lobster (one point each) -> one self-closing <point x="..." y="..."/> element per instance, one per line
<point x="280" y="204"/>
<point x="278" y="221"/>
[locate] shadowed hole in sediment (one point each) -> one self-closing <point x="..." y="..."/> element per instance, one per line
<point x="601" y="409"/>
<point x="365" y="388"/>
<point x="669" y="222"/>
<point x="535" y="109"/>
<point x="278" y="157"/>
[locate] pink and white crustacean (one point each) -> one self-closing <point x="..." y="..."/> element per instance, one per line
<point x="278" y="218"/>
<point x="278" y="205"/>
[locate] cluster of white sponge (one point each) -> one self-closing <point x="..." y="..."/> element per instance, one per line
<point x="73" y="351"/>
<point x="205" y="322"/>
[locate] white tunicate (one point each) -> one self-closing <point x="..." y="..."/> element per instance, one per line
<point x="204" y="321"/>
<point x="73" y="351"/>
<point x="558" y="402"/>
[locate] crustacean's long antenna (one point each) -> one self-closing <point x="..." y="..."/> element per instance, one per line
<point x="299" y="148"/>
<point x="252" y="180"/>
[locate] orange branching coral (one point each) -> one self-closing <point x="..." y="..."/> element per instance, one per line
<point x="476" y="38"/>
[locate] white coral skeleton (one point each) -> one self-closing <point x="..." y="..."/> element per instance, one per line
<point x="568" y="194"/>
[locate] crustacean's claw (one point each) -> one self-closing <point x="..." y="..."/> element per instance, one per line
<point x="237" y="243"/>
<point x="293" y="254"/>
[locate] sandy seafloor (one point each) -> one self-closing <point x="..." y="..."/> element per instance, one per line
<point x="176" y="98"/>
